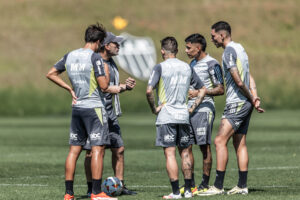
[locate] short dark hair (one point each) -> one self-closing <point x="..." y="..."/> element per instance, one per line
<point x="94" y="33"/>
<point x="169" y="44"/>
<point x="197" y="38"/>
<point x="221" y="25"/>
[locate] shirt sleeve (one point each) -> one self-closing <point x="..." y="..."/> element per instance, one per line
<point x="98" y="65"/>
<point x="230" y="57"/>
<point x="61" y="64"/>
<point x="193" y="62"/>
<point x="155" y="76"/>
<point x="215" y="73"/>
<point x="195" y="80"/>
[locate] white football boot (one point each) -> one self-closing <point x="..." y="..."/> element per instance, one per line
<point x="172" y="196"/>
<point x="238" y="190"/>
<point x="212" y="191"/>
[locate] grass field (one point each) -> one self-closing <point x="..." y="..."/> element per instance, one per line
<point x="33" y="151"/>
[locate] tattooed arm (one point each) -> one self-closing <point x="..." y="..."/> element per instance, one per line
<point x="151" y="100"/>
<point x="152" y="83"/>
<point x="238" y="81"/>
<point x="199" y="99"/>
<point x="253" y="91"/>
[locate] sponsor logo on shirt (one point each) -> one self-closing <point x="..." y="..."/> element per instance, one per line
<point x="179" y="116"/>
<point x="77" y="67"/>
<point x="178" y="80"/>
<point x="79" y="81"/>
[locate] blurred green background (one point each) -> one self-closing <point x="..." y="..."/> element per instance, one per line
<point x="35" y="34"/>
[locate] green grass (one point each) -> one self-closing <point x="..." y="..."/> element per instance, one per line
<point x="33" y="151"/>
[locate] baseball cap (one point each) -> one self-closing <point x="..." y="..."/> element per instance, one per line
<point x="110" y="37"/>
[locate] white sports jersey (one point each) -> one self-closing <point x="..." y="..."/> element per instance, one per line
<point x="235" y="56"/>
<point x="209" y="71"/>
<point x="173" y="78"/>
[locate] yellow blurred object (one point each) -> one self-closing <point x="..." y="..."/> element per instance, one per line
<point x="119" y="23"/>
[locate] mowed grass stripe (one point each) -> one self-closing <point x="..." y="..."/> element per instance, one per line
<point x="33" y="153"/>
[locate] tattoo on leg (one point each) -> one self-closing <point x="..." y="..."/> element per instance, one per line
<point x="187" y="169"/>
<point x="207" y="168"/>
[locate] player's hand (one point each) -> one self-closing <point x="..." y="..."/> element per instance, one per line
<point x="256" y="103"/>
<point x="130" y="83"/>
<point x="158" y="109"/>
<point x="74" y="98"/>
<point x="193" y="93"/>
<point x="191" y="111"/>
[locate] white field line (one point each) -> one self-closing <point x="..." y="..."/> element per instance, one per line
<point x="153" y="172"/>
<point x="270" y="168"/>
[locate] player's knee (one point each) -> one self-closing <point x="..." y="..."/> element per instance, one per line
<point x="217" y="141"/>
<point x="170" y="154"/>
<point x="120" y="152"/>
<point x="98" y="152"/>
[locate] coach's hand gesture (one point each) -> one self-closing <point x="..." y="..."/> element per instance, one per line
<point x="130" y="83"/>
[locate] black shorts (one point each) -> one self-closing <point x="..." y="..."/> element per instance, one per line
<point x="89" y="123"/>
<point x="171" y="135"/>
<point x="238" y="114"/>
<point x="201" y="127"/>
<point x="115" y="136"/>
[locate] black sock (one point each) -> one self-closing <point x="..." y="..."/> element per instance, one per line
<point x="90" y="186"/>
<point x="219" y="179"/>
<point x="205" y="180"/>
<point x="193" y="181"/>
<point x="175" y="187"/>
<point x="69" y="187"/>
<point x="96" y="186"/>
<point x="242" y="179"/>
<point x="123" y="183"/>
<point x="187" y="184"/>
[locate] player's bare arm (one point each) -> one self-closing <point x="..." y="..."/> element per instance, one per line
<point x="253" y="91"/>
<point x="199" y="99"/>
<point x="238" y="81"/>
<point x="122" y="87"/>
<point x="53" y="75"/>
<point x="216" y="91"/>
<point x="103" y="81"/>
<point x="151" y="100"/>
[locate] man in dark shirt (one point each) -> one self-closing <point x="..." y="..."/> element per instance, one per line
<point x="110" y="48"/>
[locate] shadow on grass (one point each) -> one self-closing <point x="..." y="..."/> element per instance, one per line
<point x="256" y="190"/>
<point x="83" y="197"/>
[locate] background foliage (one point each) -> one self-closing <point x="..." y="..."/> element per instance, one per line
<point x="35" y="34"/>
